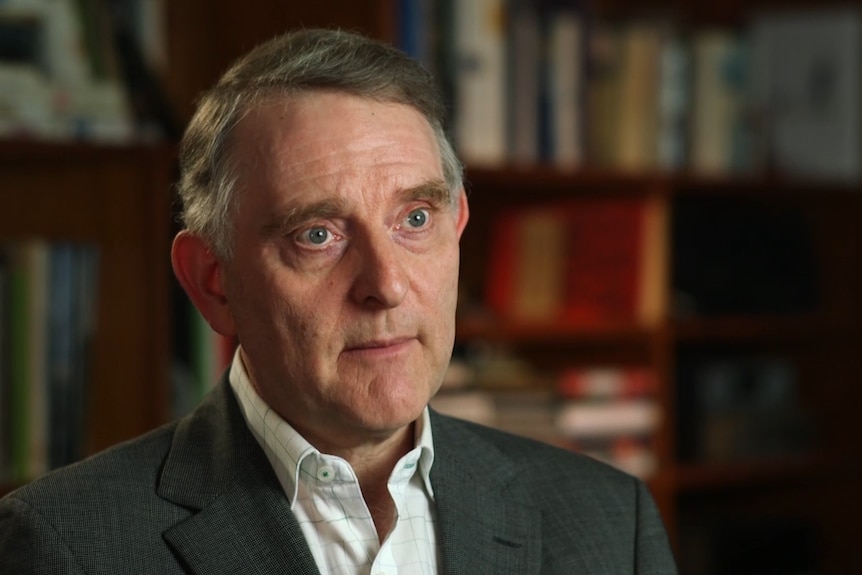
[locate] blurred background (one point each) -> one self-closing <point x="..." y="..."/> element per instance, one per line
<point x="661" y="270"/>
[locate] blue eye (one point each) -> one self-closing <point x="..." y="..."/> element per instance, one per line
<point x="317" y="236"/>
<point x="417" y="218"/>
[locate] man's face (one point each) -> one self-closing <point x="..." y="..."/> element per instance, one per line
<point x="343" y="283"/>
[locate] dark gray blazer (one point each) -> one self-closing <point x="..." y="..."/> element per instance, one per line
<point x="199" y="496"/>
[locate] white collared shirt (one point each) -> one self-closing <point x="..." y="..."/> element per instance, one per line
<point x="324" y="494"/>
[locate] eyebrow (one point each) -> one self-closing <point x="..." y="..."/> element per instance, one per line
<point x="435" y="192"/>
<point x="295" y="217"/>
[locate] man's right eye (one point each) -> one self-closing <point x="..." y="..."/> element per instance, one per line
<point x="317" y="236"/>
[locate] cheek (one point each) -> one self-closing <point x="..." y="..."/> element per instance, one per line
<point x="449" y="271"/>
<point x="442" y="281"/>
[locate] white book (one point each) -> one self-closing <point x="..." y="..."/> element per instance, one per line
<point x="622" y="417"/>
<point x="65" y="51"/>
<point x="806" y="70"/>
<point x="480" y="82"/>
<point x="475" y="406"/>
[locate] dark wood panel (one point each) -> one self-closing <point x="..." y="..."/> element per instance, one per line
<point x="205" y="36"/>
<point x="117" y="198"/>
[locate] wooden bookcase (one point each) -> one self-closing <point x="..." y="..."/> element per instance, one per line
<point x="818" y="487"/>
<point x="120" y="199"/>
<point x="117" y="198"/>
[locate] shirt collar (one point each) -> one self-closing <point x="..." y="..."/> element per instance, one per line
<point x="286" y="448"/>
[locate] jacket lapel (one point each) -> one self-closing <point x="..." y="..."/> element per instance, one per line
<point x="242" y="523"/>
<point x="486" y="521"/>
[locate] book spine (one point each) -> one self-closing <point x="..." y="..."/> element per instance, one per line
<point x="60" y="359"/>
<point x="565" y="32"/>
<point x="480" y="82"/>
<point x="524" y="61"/>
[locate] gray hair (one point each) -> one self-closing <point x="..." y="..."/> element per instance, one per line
<point x="294" y="63"/>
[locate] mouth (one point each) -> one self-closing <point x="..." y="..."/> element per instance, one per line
<point x="380" y="346"/>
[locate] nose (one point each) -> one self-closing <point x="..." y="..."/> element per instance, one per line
<point x="380" y="280"/>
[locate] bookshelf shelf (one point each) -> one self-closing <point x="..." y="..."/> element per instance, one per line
<point x="527" y="332"/>
<point x="768" y="328"/>
<point x="767" y="471"/>
<point x="547" y="180"/>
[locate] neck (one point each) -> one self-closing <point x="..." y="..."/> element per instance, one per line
<point x="373" y="465"/>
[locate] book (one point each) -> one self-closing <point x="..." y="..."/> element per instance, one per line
<point x="603" y="73"/>
<point x="564" y="67"/>
<point x="636" y="142"/>
<point x="524" y="61"/>
<point x="718" y="95"/>
<point x="806" y="75"/>
<point x="415" y="30"/>
<point x="499" y="285"/>
<point x="60" y="353"/>
<point x="613" y="269"/>
<point x="83" y="328"/>
<point x="48" y="322"/>
<point x="479" y="114"/>
<point x="528" y="412"/>
<point x="633" y="417"/>
<point x="632" y="454"/>
<point x="524" y="411"/>
<point x="539" y="264"/>
<point x="526" y="280"/>
<point x="585" y="262"/>
<point x="674" y="103"/>
<point x="28" y="412"/>
<point x="6" y="428"/>
<point x="606" y="383"/>
<point x="469" y="404"/>
<point x="611" y="413"/>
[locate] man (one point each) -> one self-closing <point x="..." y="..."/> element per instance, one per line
<point x="323" y="209"/>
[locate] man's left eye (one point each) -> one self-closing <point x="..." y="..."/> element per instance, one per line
<point x="317" y="235"/>
<point x="418" y="218"/>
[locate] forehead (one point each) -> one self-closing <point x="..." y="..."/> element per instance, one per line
<point x="326" y="140"/>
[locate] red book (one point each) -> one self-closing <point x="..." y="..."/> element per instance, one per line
<point x="588" y="261"/>
<point x="604" y="259"/>
<point x="500" y="285"/>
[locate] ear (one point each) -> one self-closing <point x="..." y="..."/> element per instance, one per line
<point x="200" y="274"/>
<point x="463" y="212"/>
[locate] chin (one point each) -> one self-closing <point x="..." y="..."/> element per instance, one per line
<point x="396" y="416"/>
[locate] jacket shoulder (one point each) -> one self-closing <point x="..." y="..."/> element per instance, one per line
<point x="119" y="471"/>
<point x="528" y="455"/>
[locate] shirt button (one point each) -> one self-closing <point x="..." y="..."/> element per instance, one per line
<point x="325" y="473"/>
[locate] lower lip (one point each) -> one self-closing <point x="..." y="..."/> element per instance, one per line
<point x="380" y="352"/>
